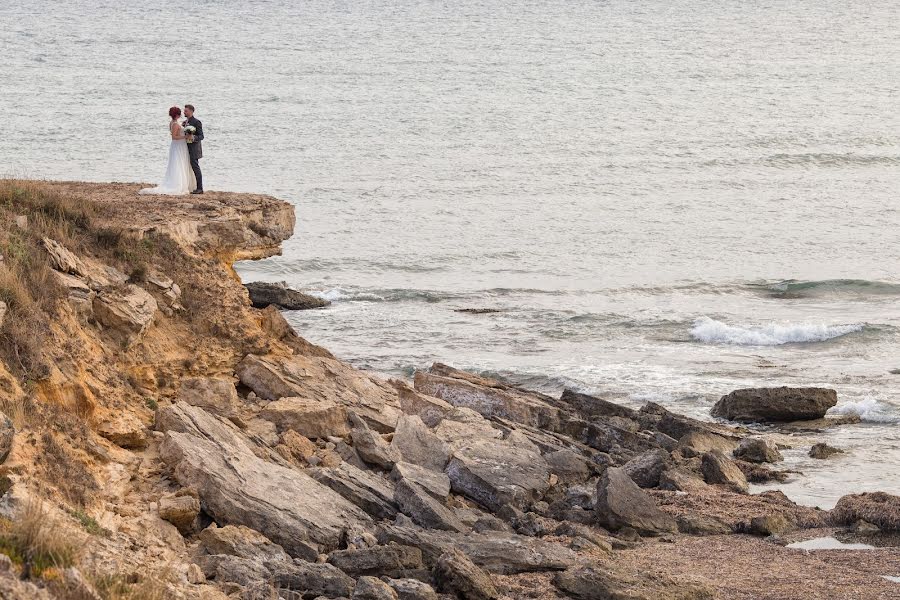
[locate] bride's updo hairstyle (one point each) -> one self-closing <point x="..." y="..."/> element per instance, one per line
<point x="174" y="112"/>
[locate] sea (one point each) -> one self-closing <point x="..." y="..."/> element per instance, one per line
<point x="653" y="200"/>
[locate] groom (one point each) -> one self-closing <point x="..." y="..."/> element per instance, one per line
<point x="195" y="149"/>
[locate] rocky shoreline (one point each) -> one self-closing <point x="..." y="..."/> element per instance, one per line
<point x="198" y="447"/>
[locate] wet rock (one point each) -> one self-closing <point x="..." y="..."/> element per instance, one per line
<point x="435" y="483"/>
<point x="416" y="444"/>
<point x="371" y="588"/>
<point x="822" y="450"/>
<point x="696" y="524"/>
<point x="278" y="294"/>
<point x="392" y="560"/>
<point x="646" y="468"/>
<point x="494" y="473"/>
<point x="366" y="490"/>
<point x="425" y="509"/>
<point x="454" y="573"/>
<point x="877" y="508"/>
<point x="779" y="404"/>
<point x="412" y="589"/>
<point x="371" y="446"/>
<point x="216" y="396"/>
<point x="568" y="466"/>
<point x="210" y="455"/>
<point x="717" y="468"/>
<point x="621" y="503"/>
<point x="760" y="473"/>
<point x="758" y="450"/>
<point x="237" y="540"/>
<point x="310" y="418"/>
<point x="697" y="443"/>
<point x="181" y="511"/>
<point x="125" y="312"/>
<point x="597" y="581"/>
<point x="772" y="524"/>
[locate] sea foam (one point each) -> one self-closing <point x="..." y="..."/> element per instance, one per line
<point x="868" y="409"/>
<point x="716" y="332"/>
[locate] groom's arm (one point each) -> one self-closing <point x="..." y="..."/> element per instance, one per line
<point x="199" y="127"/>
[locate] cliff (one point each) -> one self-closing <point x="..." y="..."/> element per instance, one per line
<point x="165" y="439"/>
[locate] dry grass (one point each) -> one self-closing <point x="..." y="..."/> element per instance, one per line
<point x="151" y="587"/>
<point x="63" y="467"/>
<point x="36" y="541"/>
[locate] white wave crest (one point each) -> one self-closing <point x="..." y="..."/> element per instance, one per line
<point x="868" y="409"/>
<point x="716" y="332"/>
<point x="338" y="294"/>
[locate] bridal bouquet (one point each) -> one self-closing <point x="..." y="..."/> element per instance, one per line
<point x="189" y="132"/>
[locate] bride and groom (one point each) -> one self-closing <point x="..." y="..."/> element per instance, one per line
<point x="183" y="174"/>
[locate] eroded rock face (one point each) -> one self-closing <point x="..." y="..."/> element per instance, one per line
<point x="392" y="560"/>
<point x="878" y="508"/>
<point x="416" y="444"/>
<point x="366" y="490"/>
<point x="779" y="404"/>
<point x="758" y="450"/>
<point x="235" y="486"/>
<point x="591" y="406"/>
<point x="425" y="509"/>
<point x="237" y="540"/>
<point x="310" y="418"/>
<point x="215" y="396"/>
<point x="718" y="468"/>
<point x="62" y="259"/>
<point x="621" y="503"/>
<point x="181" y="511"/>
<point x="435" y="483"/>
<point x="264" y="294"/>
<point x="125" y="312"/>
<point x="372" y="588"/>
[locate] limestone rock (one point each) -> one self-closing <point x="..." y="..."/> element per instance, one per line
<point x="646" y="468"/>
<point x="613" y="436"/>
<point x="595" y="581"/>
<point x="195" y="574"/>
<point x="454" y="573"/>
<point x="696" y="524"/>
<point x="621" y="503"/>
<point x="412" y="589"/>
<point x="772" y="524"/>
<point x="295" y="446"/>
<point x="392" y="560"/>
<point x="425" y="509"/>
<point x="371" y="447"/>
<point x="677" y="480"/>
<point x="181" y="511"/>
<point x="877" y="508"/>
<point x="126" y="312"/>
<point x="225" y="568"/>
<point x="371" y="588"/>
<point x="264" y="294"/>
<point x="717" y="468"/>
<point x="697" y="443"/>
<point x="366" y="490"/>
<point x="310" y="418"/>
<point x="274" y="323"/>
<point x="822" y="450"/>
<point x="237" y="540"/>
<point x="215" y="396"/>
<point x="775" y="404"/>
<point x="570" y="467"/>
<point x="62" y="259"/>
<point x="494" y="473"/>
<point x="310" y="579"/>
<point x="235" y="486"/>
<point x="758" y="450"/>
<point x="416" y="444"/>
<point x="124" y="430"/>
<point x="428" y="408"/>
<point x="591" y="406"/>
<point x="435" y="483"/>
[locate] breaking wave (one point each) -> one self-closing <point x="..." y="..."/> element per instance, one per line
<point x="868" y="409"/>
<point x="712" y="331"/>
<point x="793" y="288"/>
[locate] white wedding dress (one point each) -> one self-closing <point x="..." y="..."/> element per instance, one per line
<point x="179" y="179"/>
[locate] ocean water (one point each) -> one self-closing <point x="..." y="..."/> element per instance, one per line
<point x="662" y="200"/>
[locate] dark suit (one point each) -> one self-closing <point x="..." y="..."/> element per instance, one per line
<point x="195" y="150"/>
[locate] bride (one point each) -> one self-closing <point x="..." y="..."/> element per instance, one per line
<point x="179" y="179"/>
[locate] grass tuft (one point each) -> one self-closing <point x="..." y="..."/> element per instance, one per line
<point x="36" y="541"/>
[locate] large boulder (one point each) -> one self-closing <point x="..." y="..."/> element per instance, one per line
<point x="718" y="468"/>
<point x="621" y="503"/>
<point x="264" y="294"/>
<point x="591" y="406"/>
<point x="371" y="446"/>
<point x="216" y="396"/>
<point x="758" y="450"/>
<point x="392" y="560"/>
<point x="237" y="540"/>
<point x="125" y="312"/>
<point x="365" y="489"/>
<point x="428" y="408"/>
<point x="416" y="444"/>
<point x="235" y="486"/>
<point x="877" y="508"/>
<point x="425" y="509"/>
<point x="779" y="404"/>
<point x="310" y="418"/>
<point x="435" y="483"/>
<point x="599" y="581"/>
<point x="645" y="468"/>
<point x="455" y="574"/>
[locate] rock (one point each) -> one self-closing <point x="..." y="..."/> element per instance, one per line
<point x="454" y="573"/>
<point x="697" y="443"/>
<point x="274" y="323"/>
<point x="311" y="579"/>
<point x="416" y="444"/>
<point x="11" y="588"/>
<point x="495" y="551"/>
<point x="772" y="524"/>
<point x="696" y="524"/>
<point x="124" y="430"/>
<point x="677" y="480"/>
<point x="180" y="511"/>
<point x="656" y="417"/>
<point x="595" y="581"/>
<point x="233" y="569"/>
<point x="717" y="468"/>
<point x="775" y="404"/>
<point x="125" y="312"/>
<point x="310" y="418"/>
<point x="392" y="560"/>
<point x="366" y="490"/>
<point x="436" y="484"/>
<point x="371" y="588"/>
<point x="235" y="486"/>
<point x="568" y="466"/>
<point x="878" y="508"/>
<point x="216" y="396"/>
<point x="265" y="294"/>
<point x="823" y="451"/>
<point x="494" y="473"/>
<point x="371" y="447"/>
<point x="606" y="436"/>
<point x="760" y="473"/>
<point x="63" y="259"/>
<point x="621" y="503"/>
<point x="594" y="535"/>
<point x="646" y="468"/>
<point x="819" y="425"/>
<point x="237" y="540"/>
<point x="412" y="589"/>
<point x="294" y="446"/>
<point x="758" y="450"/>
<point x="7" y="435"/>
<point x="428" y="408"/>
<point x="425" y="509"/>
<point x="591" y="406"/>
<point x="195" y="575"/>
